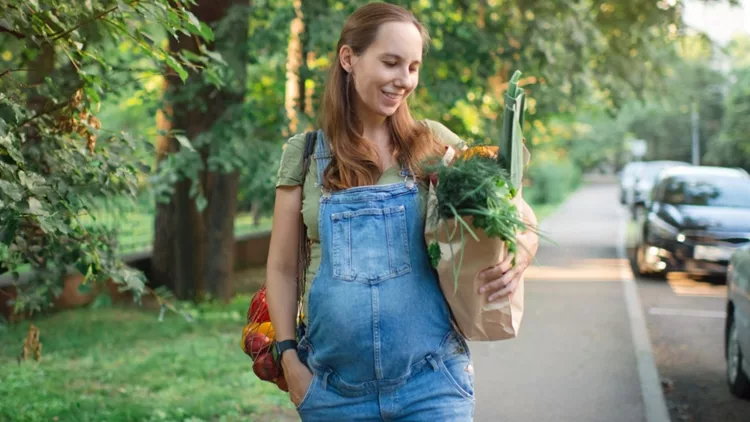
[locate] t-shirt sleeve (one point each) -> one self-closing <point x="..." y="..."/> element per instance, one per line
<point x="445" y="135"/>
<point x="290" y="166"/>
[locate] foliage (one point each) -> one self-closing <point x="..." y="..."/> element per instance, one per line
<point x="590" y="52"/>
<point x="732" y="146"/>
<point x="55" y="158"/>
<point x="120" y="364"/>
<point x="550" y="180"/>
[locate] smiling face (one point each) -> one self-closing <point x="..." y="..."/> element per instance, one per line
<point x="387" y="71"/>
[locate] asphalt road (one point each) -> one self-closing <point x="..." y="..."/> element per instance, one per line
<point x="686" y="320"/>
<point x="575" y="358"/>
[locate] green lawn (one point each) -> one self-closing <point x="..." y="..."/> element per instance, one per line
<point x="121" y="364"/>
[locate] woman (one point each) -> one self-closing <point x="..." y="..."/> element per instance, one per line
<point x="379" y="343"/>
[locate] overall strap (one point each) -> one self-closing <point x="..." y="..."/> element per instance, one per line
<point x="322" y="155"/>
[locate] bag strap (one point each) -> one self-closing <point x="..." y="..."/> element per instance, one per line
<point x="303" y="256"/>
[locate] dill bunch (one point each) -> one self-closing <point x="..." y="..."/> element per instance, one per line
<point x="476" y="186"/>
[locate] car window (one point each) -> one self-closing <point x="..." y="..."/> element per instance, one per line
<point x="717" y="192"/>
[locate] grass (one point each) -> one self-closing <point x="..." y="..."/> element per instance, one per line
<point x="122" y="364"/>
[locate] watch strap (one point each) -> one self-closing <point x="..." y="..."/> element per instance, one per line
<point x="283" y="346"/>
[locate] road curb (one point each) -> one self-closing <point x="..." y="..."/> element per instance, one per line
<point x="653" y="395"/>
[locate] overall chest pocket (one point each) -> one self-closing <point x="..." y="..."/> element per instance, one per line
<point x="370" y="245"/>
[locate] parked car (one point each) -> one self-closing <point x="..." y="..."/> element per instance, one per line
<point x="737" y="328"/>
<point x="636" y="197"/>
<point x="696" y="218"/>
<point x="627" y="178"/>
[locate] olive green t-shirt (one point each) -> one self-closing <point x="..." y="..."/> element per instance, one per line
<point x="290" y="174"/>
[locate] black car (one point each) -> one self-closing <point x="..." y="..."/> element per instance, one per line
<point x="737" y="328"/>
<point x="696" y="218"/>
<point x="645" y="176"/>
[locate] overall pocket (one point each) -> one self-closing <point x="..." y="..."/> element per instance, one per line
<point x="458" y="370"/>
<point x="370" y="245"/>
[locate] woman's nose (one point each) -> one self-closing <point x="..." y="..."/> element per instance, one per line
<point x="403" y="80"/>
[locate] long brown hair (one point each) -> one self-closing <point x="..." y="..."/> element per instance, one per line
<point x="355" y="160"/>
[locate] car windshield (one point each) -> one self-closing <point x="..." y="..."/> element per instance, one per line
<point x="716" y="192"/>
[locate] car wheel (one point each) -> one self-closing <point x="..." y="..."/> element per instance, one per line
<point x="739" y="384"/>
<point x="641" y="266"/>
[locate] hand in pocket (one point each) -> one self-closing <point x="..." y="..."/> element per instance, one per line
<point x="298" y="379"/>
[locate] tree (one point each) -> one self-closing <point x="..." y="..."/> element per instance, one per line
<point x="55" y="161"/>
<point x="732" y="147"/>
<point x="194" y="227"/>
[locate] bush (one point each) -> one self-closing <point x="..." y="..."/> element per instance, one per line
<point x="550" y="180"/>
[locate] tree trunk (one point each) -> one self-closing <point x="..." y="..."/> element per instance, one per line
<point x="295" y="84"/>
<point x="193" y="253"/>
<point x="221" y="188"/>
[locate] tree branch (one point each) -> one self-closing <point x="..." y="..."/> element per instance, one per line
<point x="43" y="112"/>
<point x="12" y="32"/>
<point x="80" y="24"/>
<point x="8" y="71"/>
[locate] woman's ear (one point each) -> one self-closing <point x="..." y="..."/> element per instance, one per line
<point x="346" y="58"/>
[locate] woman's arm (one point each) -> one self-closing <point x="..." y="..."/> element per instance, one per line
<point x="281" y="284"/>
<point x="281" y="267"/>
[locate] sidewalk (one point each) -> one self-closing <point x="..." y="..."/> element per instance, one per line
<point x="575" y="359"/>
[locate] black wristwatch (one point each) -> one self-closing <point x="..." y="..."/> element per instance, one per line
<point x="282" y="346"/>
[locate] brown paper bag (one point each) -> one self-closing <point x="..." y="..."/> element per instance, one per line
<point x="476" y="319"/>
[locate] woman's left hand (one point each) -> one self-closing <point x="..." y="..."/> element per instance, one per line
<point x="503" y="278"/>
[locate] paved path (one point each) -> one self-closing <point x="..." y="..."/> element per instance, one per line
<point x="583" y="353"/>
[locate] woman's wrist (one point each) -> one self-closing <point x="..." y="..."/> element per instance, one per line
<point x="289" y="359"/>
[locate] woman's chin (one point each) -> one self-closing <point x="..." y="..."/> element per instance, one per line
<point x="387" y="110"/>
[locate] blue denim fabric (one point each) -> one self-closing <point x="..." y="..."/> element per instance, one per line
<point x="379" y="339"/>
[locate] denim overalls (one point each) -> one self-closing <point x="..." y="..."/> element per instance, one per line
<point x="379" y="339"/>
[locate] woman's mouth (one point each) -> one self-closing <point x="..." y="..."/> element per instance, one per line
<point x="391" y="96"/>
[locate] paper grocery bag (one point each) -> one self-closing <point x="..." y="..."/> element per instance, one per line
<point x="475" y="318"/>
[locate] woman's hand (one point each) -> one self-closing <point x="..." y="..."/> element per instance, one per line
<point x="298" y="377"/>
<point x="503" y="278"/>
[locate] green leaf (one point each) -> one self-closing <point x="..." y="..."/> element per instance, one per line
<point x="195" y="26"/>
<point x="206" y="32"/>
<point x="177" y="67"/>
<point x="189" y="55"/>
<point x="35" y="207"/>
<point x="215" y="55"/>
<point x="11" y="190"/>
<point x="184" y="142"/>
<point x="201" y="203"/>
<point x="434" y="253"/>
<point x="92" y="94"/>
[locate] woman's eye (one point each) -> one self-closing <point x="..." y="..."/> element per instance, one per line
<point x="390" y="64"/>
